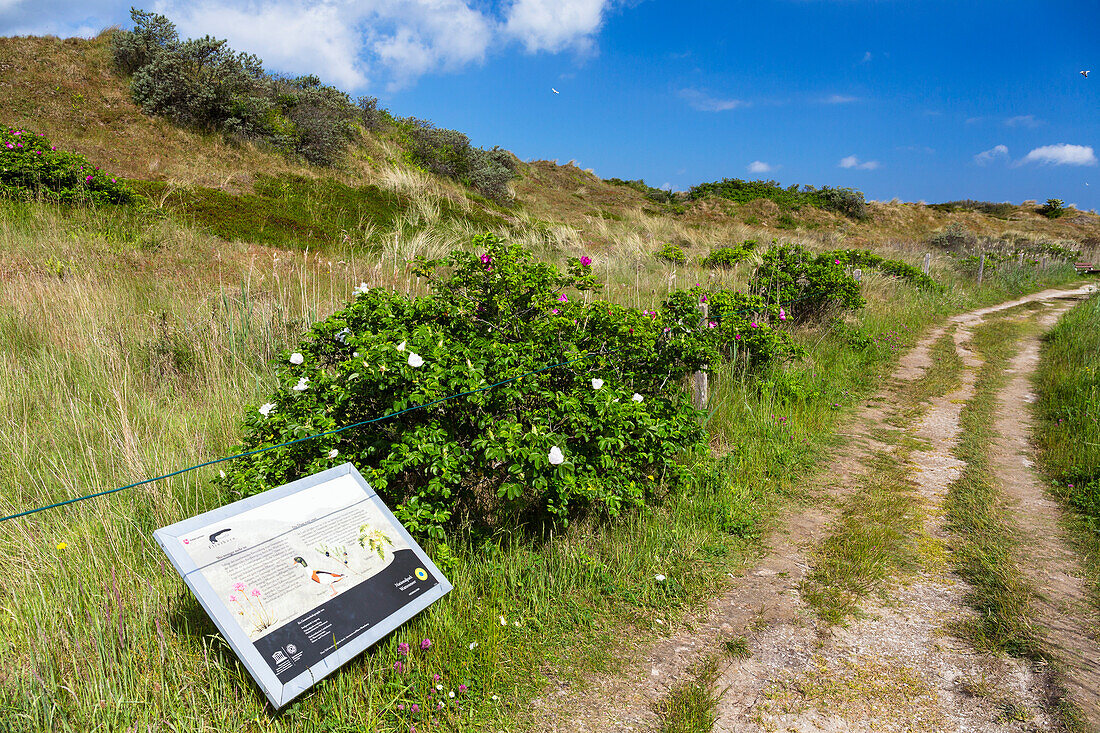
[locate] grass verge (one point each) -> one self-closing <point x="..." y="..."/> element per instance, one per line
<point x="690" y="706"/>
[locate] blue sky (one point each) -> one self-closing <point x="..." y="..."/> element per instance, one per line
<point x="920" y="100"/>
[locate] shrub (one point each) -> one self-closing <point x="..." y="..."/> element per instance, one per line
<point x="1053" y="208"/>
<point x="846" y="201"/>
<point x="449" y="153"/>
<point x="660" y="195"/>
<point x="31" y="168"/>
<point x="863" y="258"/>
<point x="727" y="257"/>
<point x="1000" y="211"/>
<point x="953" y="237"/>
<point x="372" y="116"/>
<point x="491" y="316"/>
<point x="813" y="285"/>
<point x="204" y="84"/>
<point x="670" y="252"/>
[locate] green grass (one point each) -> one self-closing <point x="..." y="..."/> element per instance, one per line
<point x="988" y="544"/>
<point x="298" y="212"/>
<point x="691" y="706"/>
<point x="130" y="347"/>
<point x="1068" y="432"/>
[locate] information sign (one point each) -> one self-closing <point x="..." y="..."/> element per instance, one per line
<point x="304" y="577"/>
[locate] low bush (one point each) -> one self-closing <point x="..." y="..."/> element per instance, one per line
<point x="600" y="434"/>
<point x="727" y="257"/>
<point x="670" y="252"/>
<point x="811" y="285"/>
<point x="1053" y="208"/>
<point x="846" y="201"/>
<point x="33" y="168"/>
<point x="449" y="153"/>
<point x="660" y="195"/>
<point x="1000" y="211"/>
<point x="864" y="258"/>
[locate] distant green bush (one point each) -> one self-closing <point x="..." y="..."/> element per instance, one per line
<point x="204" y="84"/>
<point x="727" y="257"/>
<point x="33" y="168"/>
<point x="660" y="195"/>
<point x="449" y="153"/>
<point x="812" y="284"/>
<point x="670" y="252"/>
<point x="597" y="435"/>
<point x="846" y="201"/>
<point x="953" y="237"/>
<point x="1053" y="208"/>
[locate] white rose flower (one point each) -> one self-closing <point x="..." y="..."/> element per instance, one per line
<point x="597" y="383"/>
<point x="333" y="453"/>
<point x="302" y="385"/>
<point x="296" y="358"/>
<point x="637" y="397"/>
<point x="556" y="457"/>
<point x="659" y="578"/>
<point x="415" y="360"/>
<point x="266" y="408"/>
<point x="401" y="346"/>
<point x="361" y="289"/>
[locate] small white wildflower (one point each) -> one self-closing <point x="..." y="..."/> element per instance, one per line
<point x="439" y="688"/>
<point x="556" y="457"/>
<point x="342" y="335"/>
<point x="361" y="289"/>
<point x="401" y="346"/>
<point x="451" y="693"/>
<point x="296" y="358"/>
<point x="597" y="383"/>
<point x="355" y="354"/>
<point x="496" y="698"/>
<point x="658" y="577"/>
<point x="265" y="409"/>
<point x="503" y="621"/>
<point x="302" y="385"/>
<point x="333" y="453"/>
<point x="637" y="397"/>
<point x="415" y="360"/>
<point x="221" y="473"/>
<point x="473" y="645"/>
<point x="660" y="621"/>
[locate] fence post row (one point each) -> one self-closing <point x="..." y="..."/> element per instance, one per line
<point x="981" y="268"/>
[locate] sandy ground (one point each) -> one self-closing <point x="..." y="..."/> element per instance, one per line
<point x="896" y="668"/>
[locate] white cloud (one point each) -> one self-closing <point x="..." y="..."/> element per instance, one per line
<point x="759" y="166"/>
<point x="555" y="25"/>
<point x="1061" y="154"/>
<point x="853" y="162"/>
<point x="987" y="156"/>
<point x="866" y="57"/>
<point x="706" y="103"/>
<point x="839" y="99"/>
<point x="1023" y="121"/>
<point x="349" y="43"/>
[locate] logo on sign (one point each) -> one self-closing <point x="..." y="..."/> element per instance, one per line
<point x="421" y="573"/>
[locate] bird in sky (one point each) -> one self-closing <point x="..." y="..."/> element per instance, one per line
<point x="1085" y="73"/>
<point x="555" y="91"/>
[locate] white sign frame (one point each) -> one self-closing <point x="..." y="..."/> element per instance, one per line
<point x="281" y="688"/>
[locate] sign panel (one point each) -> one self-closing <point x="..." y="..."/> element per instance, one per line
<point x="302" y="578"/>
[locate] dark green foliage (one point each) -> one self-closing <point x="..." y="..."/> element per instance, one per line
<point x="846" y="201"/>
<point x="861" y="258"/>
<point x="204" y="84"/>
<point x="374" y="118"/>
<point x="727" y="257"/>
<point x="670" y="252"/>
<point x="1053" y="208"/>
<point x="494" y="314"/>
<point x="1000" y="211"/>
<point x="32" y="168"/>
<point x="449" y="153"/>
<point x="294" y="211"/>
<point x="812" y="285"/>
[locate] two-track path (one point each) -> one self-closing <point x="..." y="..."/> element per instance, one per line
<point x="898" y="666"/>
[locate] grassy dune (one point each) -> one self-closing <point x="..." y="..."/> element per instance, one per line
<point x="130" y="344"/>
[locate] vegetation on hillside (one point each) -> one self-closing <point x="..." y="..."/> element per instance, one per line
<point x="33" y="168"/>
<point x="846" y="201"/>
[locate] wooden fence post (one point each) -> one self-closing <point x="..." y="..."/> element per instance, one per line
<point x="700" y="380"/>
<point x="981" y="268"/>
<point x="927" y="262"/>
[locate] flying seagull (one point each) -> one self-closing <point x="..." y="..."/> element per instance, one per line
<point x="555" y="91"/>
<point x="1085" y="73"/>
